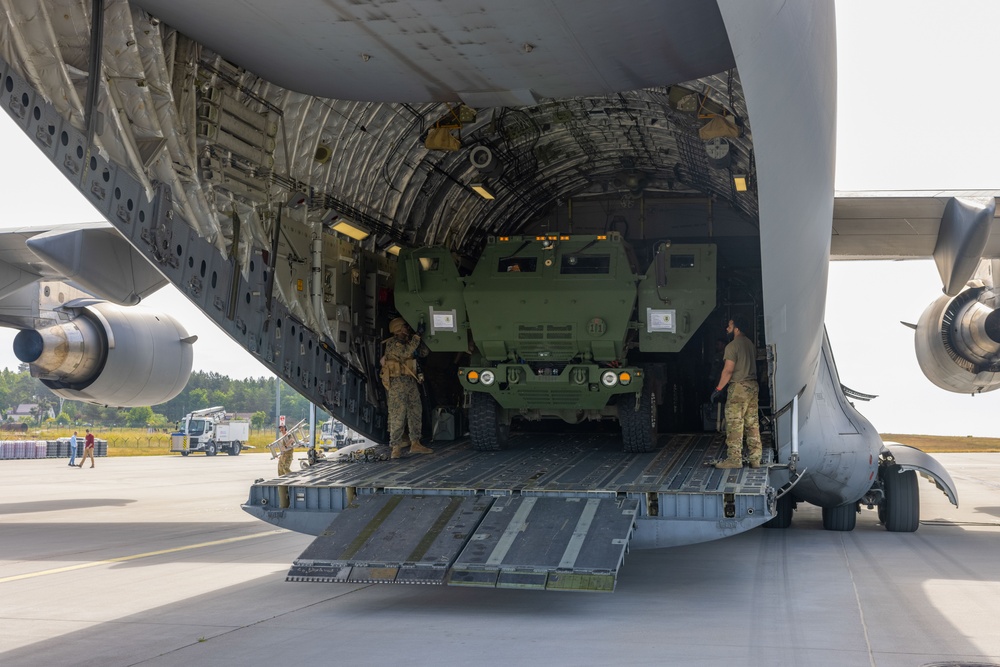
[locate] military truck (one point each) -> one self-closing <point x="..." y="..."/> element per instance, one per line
<point x="559" y="326"/>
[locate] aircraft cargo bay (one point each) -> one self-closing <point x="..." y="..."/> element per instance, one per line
<point x="539" y="515"/>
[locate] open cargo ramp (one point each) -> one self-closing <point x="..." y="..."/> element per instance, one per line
<point x="529" y="542"/>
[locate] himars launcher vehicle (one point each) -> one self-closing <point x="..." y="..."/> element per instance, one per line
<point x="561" y="326"/>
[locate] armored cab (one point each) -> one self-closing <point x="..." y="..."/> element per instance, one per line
<point x="550" y="323"/>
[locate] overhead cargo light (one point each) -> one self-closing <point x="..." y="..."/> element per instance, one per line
<point x="347" y="227"/>
<point x="481" y="190"/>
<point x="740" y="181"/>
<point x="394" y="249"/>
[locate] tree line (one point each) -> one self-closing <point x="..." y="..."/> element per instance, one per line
<point x="255" y="396"/>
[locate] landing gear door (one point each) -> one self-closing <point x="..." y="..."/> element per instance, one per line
<point x="429" y="292"/>
<point x="676" y="296"/>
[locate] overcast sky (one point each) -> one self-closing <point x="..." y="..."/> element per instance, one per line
<point x="917" y="92"/>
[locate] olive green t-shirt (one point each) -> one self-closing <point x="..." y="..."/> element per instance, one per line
<point x="743" y="354"/>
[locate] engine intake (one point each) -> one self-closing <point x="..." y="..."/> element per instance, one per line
<point x="110" y="355"/>
<point x="957" y="342"/>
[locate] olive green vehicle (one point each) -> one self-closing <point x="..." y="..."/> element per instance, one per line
<point x="553" y="324"/>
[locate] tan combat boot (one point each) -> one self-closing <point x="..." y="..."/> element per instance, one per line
<point x="397" y="452"/>
<point x="729" y="463"/>
<point x="417" y="448"/>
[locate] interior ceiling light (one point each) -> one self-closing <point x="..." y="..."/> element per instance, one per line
<point x="347" y="227"/>
<point x="740" y="181"/>
<point x="394" y="249"/>
<point x="482" y="191"/>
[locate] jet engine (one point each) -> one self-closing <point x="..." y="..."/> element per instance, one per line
<point x="110" y="355"/>
<point x="958" y="341"/>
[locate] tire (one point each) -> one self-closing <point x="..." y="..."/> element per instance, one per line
<point x="210" y="449"/>
<point x="185" y="453"/>
<point x="234" y="449"/>
<point x="638" y="426"/>
<point x="841" y="518"/>
<point x="782" y="513"/>
<point x="489" y="427"/>
<point x="902" y="500"/>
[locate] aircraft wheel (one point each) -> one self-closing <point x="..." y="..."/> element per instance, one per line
<point x="235" y="448"/>
<point x="902" y="500"/>
<point x="782" y="513"/>
<point x="841" y="518"/>
<point x="638" y="426"/>
<point x="210" y="449"/>
<point x="489" y="427"/>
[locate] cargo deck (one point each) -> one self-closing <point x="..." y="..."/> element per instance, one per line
<point x="552" y="511"/>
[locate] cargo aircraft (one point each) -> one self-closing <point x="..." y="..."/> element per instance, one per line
<point x="303" y="172"/>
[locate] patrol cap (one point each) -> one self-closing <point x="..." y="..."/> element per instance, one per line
<point x="396" y="325"/>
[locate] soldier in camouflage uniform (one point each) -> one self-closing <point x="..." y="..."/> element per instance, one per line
<point x="285" y="463"/>
<point x="402" y="379"/>
<point x="740" y="373"/>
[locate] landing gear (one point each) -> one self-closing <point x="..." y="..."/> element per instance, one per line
<point x="638" y="425"/>
<point x="489" y="425"/>
<point x="899" y="510"/>
<point x="841" y="518"/>
<point x="782" y="513"/>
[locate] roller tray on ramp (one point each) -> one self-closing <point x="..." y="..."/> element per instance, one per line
<point x="558" y="543"/>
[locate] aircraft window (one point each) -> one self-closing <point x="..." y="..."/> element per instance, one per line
<point x="517" y="265"/>
<point x="682" y="261"/>
<point x="429" y="263"/>
<point x="196" y="427"/>
<point x="585" y="264"/>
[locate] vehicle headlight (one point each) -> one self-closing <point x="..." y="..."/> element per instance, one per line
<point x="472" y="377"/>
<point x="488" y="377"/>
<point x="609" y="378"/>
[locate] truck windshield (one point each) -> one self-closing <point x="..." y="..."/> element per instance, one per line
<point x="585" y="264"/>
<point x="517" y="264"/>
<point x="196" y="427"/>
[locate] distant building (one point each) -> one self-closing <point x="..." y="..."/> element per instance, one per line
<point x="26" y="412"/>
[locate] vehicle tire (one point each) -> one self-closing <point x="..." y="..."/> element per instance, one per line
<point x="902" y="500"/>
<point x="210" y="449"/>
<point x="489" y="427"/>
<point x="783" y="509"/>
<point x="185" y="453"/>
<point x="638" y="426"/>
<point x="841" y="518"/>
<point x="234" y="449"/>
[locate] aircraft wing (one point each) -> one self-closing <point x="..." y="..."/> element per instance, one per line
<point x="93" y="257"/>
<point x="898" y="224"/>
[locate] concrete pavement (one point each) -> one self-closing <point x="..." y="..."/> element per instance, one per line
<point x="150" y="561"/>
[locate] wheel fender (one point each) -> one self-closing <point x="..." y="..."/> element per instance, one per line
<point x="911" y="458"/>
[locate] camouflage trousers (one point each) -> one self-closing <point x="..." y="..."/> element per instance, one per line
<point x="404" y="410"/>
<point x="284" y="467"/>
<point x="741" y="418"/>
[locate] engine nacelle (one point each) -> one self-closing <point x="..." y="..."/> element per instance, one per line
<point x="958" y="342"/>
<point x="111" y="355"/>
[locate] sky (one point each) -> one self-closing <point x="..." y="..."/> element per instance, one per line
<point x="917" y="85"/>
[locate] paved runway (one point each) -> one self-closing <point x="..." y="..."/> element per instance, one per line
<point x="150" y="561"/>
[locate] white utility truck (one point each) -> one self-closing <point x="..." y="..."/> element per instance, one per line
<point x="210" y="430"/>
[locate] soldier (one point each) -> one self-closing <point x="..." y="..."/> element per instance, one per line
<point x="740" y="373"/>
<point x="401" y="378"/>
<point x="285" y="463"/>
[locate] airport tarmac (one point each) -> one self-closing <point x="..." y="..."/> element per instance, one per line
<point x="151" y="561"/>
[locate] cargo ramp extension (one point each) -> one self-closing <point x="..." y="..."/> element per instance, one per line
<point x="543" y="515"/>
